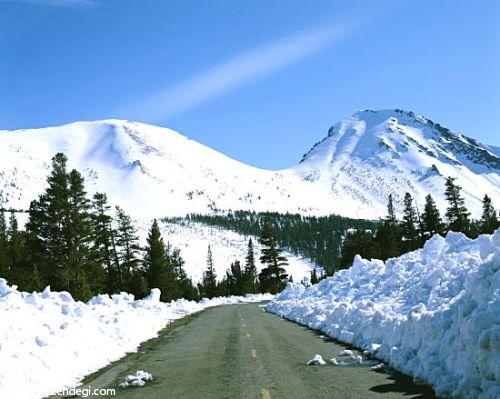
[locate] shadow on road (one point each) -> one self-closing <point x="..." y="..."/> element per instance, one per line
<point x="403" y="384"/>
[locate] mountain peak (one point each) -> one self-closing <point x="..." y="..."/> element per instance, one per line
<point x="373" y="153"/>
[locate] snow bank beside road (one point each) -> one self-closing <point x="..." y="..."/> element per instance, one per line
<point x="48" y="341"/>
<point x="433" y="313"/>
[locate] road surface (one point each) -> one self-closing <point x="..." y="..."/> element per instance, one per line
<point x="240" y="351"/>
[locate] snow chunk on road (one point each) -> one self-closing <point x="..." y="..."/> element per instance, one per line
<point x="316" y="360"/>
<point x="433" y="313"/>
<point x="138" y="379"/>
<point x="346" y="352"/>
<point x="334" y="362"/>
<point x="49" y="341"/>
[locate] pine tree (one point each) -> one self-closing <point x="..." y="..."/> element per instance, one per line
<point x="359" y="242"/>
<point x="391" y="212"/>
<point x="456" y="214"/>
<point x="388" y="234"/>
<point x="15" y="251"/>
<point x="138" y="285"/>
<point x="431" y="219"/>
<point x="314" y="277"/>
<point x="59" y="234"/>
<point x="410" y="221"/>
<point x="187" y="288"/>
<point x="154" y="256"/>
<point x="4" y="262"/>
<point x="489" y="221"/>
<point x="159" y="271"/>
<point x="235" y="279"/>
<point x="171" y="281"/>
<point x="209" y="280"/>
<point x="272" y="278"/>
<point x="128" y="252"/>
<point x="103" y="242"/>
<point x="85" y="274"/>
<point x="250" y="272"/>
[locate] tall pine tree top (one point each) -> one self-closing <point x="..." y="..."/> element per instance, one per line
<point x="456" y="213"/>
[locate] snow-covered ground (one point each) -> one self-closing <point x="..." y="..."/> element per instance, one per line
<point x="227" y="246"/>
<point x="433" y="313"/>
<point x="49" y="342"/>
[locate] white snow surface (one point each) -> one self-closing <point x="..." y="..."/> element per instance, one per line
<point x="154" y="172"/>
<point x="433" y="313"/>
<point x="49" y="342"/>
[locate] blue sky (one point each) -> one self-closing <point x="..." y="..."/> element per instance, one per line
<point x="259" y="80"/>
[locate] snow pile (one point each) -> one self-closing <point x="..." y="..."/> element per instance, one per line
<point x="138" y="379"/>
<point x="433" y="313"/>
<point x="49" y="342"/>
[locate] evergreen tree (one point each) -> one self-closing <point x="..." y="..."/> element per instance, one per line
<point x="489" y="221"/>
<point x="187" y="288"/>
<point x="171" y="281"/>
<point x="250" y="272"/>
<point x="456" y="213"/>
<point x="272" y="278"/>
<point x="138" y="286"/>
<point x="431" y="219"/>
<point x="388" y="236"/>
<point x="59" y="234"/>
<point x="4" y="268"/>
<point x="15" y="251"/>
<point x="314" y="277"/>
<point x="103" y="243"/>
<point x="235" y="279"/>
<point x="209" y="280"/>
<point x="359" y="242"/>
<point x="85" y="275"/>
<point x="154" y="256"/>
<point x="391" y="212"/>
<point x="410" y="222"/>
<point x="128" y="252"/>
<point x="159" y="270"/>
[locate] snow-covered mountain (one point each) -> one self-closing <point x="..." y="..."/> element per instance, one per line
<point x="153" y="171"/>
<point x="373" y="153"/>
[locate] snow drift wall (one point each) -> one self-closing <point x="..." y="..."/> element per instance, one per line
<point x="433" y="313"/>
<point x="48" y="341"/>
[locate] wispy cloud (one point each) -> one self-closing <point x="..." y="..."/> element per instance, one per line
<point x="56" y="3"/>
<point x="233" y="73"/>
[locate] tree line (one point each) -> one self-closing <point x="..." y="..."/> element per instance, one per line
<point x="316" y="238"/>
<point x="79" y="244"/>
<point x="394" y="237"/>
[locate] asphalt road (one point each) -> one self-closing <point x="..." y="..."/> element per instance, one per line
<point x="240" y="351"/>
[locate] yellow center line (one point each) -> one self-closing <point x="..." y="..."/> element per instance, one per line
<point x="265" y="393"/>
<point x="254" y="354"/>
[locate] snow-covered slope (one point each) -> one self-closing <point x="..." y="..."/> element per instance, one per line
<point x="433" y="313"/>
<point x="374" y="153"/>
<point x="227" y="246"/>
<point x="153" y="171"/>
<point x="150" y="171"/>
